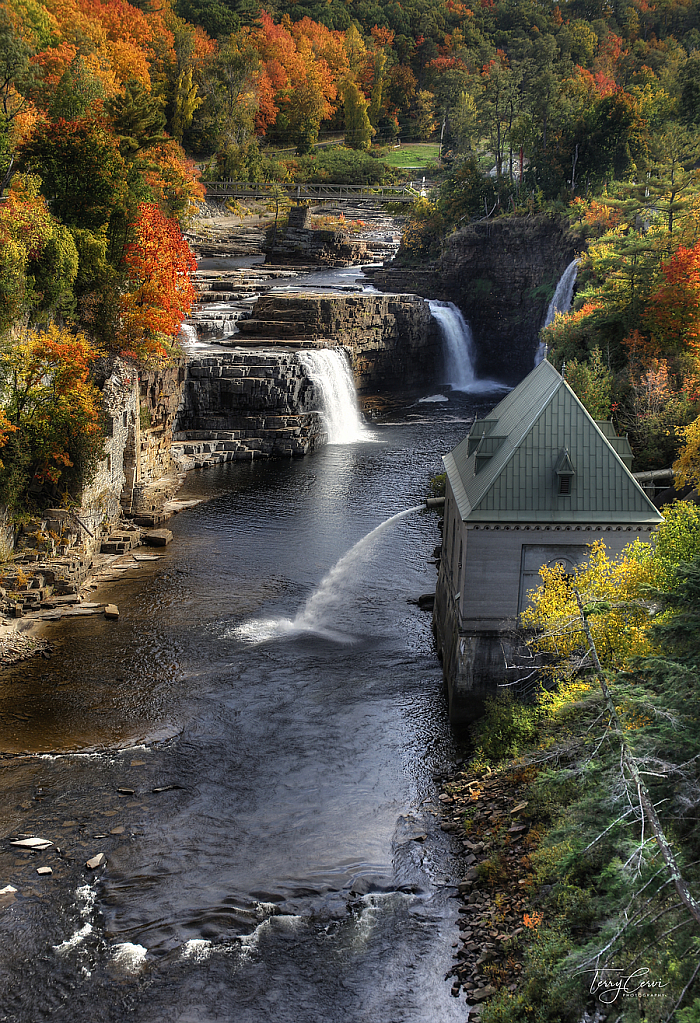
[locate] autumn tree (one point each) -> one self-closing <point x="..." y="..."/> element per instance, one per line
<point x="358" y="129"/>
<point x="186" y="102"/>
<point x="55" y="409"/>
<point x="687" y="465"/>
<point x="14" y="70"/>
<point x="77" y="91"/>
<point x="158" y="263"/>
<point x="674" y="309"/>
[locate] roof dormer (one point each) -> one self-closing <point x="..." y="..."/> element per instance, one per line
<point x="565" y="473"/>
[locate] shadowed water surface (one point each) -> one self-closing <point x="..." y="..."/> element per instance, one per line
<point x="274" y="852"/>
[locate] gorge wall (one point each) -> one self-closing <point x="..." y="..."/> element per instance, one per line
<point x="502" y="275"/>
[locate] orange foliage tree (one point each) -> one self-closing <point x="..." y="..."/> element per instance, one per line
<point x="158" y="263"/>
<point x="173" y="180"/>
<point x="297" y="67"/>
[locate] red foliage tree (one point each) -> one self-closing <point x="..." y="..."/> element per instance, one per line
<point x="159" y="263"/>
<point x="674" y="309"/>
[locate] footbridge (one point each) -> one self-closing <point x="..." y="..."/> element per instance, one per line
<point x="407" y="192"/>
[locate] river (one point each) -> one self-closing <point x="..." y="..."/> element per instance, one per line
<point x="291" y="867"/>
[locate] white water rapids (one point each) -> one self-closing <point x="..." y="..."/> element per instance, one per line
<point x="330" y="594"/>
<point x="329" y="370"/>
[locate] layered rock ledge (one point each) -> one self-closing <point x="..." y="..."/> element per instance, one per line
<point x="238" y="406"/>
<point x="393" y="341"/>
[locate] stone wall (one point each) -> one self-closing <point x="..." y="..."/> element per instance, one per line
<point x="502" y="275"/>
<point x="393" y="341"/>
<point x="137" y="474"/>
<point x="101" y="499"/>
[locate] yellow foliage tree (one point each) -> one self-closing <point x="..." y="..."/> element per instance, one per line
<point x="687" y="465"/>
<point x="612" y="593"/>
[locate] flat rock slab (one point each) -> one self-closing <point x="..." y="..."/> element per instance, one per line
<point x="158" y="537"/>
<point x="44" y="871"/>
<point x="111" y="612"/>
<point x="32" y="843"/>
<point x="96" y="861"/>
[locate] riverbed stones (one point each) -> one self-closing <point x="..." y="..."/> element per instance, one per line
<point x="44" y="871"/>
<point x="111" y="612"/>
<point x="497" y="890"/>
<point x="96" y="861"/>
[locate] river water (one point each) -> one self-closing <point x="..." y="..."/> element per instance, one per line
<point x="291" y="867"/>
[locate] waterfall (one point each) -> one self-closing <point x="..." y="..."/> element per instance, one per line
<point x="459" y="350"/>
<point x="188" y="334"/>
<point x="331" y="593"/>
<point x="458" y="345"/>
<point x="329" y="370"/>
<point x="561" y="302"/>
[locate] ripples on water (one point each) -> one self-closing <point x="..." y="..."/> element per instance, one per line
<point x="279" y="855"/>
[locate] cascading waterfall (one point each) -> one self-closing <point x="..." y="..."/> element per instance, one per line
<point x="457" y="334"/>
<point x="329" y="370"/>
<point x="561" y="301"/>
<point x="330" y="594"/>
<point x="188" y="334"/>
<point x="459" y="350"/>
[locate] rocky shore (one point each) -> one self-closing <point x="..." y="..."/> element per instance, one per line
<point x="38" y="586"/>
<point x="488" y="814"/>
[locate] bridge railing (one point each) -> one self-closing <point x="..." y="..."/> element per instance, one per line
<point x="295" y="190"/>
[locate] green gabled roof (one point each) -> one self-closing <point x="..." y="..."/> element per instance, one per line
<point x="524" y="437"/>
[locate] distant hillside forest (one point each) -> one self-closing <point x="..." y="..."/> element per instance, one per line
<point x="584" y="110"/>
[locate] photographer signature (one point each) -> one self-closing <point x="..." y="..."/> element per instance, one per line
<point x="608" y="984"/>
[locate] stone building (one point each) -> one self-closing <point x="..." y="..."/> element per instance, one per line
<point x="535" y="482"/>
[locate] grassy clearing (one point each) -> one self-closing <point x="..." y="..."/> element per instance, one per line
<point x="415" y="154"/>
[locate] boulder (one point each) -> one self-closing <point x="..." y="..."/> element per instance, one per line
<point x="158" y="537"/>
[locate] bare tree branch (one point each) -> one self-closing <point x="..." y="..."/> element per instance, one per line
<point x="629" y="765"/>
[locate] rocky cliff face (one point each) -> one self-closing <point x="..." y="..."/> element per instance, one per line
<point x="502" y="275"/>
<point x="239" y="406"/>
<point x="393" y="341"/>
